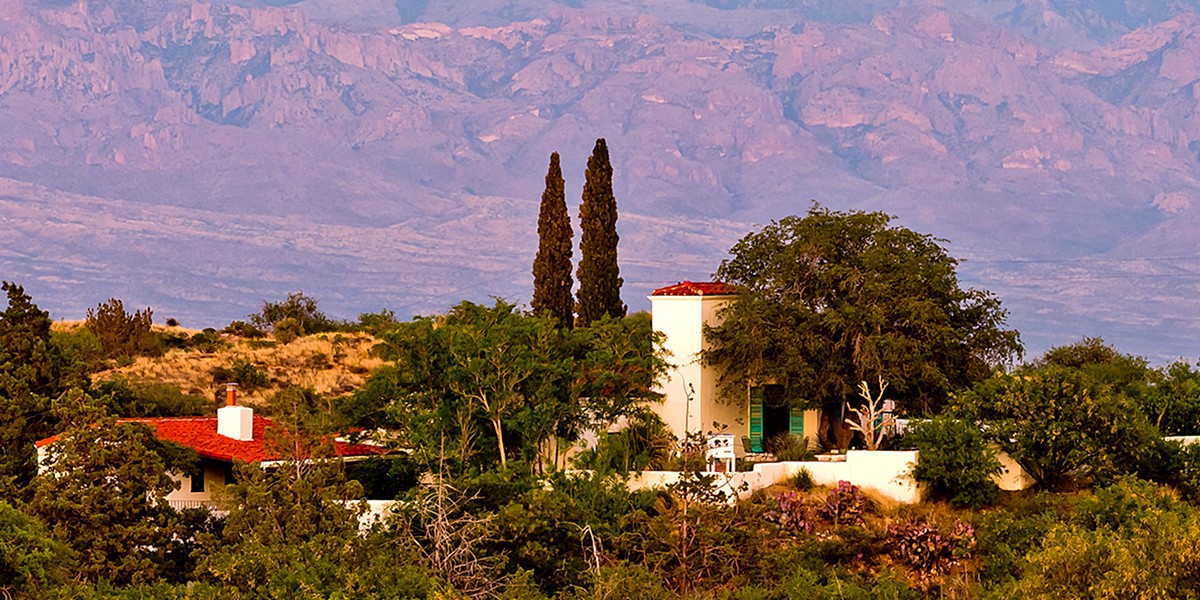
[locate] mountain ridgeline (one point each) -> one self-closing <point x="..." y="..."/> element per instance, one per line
<point x="199" y="156"/>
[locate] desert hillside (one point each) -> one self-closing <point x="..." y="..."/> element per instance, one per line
<point x="331" y="364"/>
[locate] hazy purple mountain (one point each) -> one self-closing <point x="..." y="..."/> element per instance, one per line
<point x="202" y="157"/>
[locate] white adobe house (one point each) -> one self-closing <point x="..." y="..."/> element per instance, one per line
<point x="693" y="399"/>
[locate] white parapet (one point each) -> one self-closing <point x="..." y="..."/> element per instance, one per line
<point x="886" y="472"/>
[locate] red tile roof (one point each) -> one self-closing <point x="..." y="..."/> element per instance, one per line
<point x="697" y="288"/>
<point x="200" y="434"/>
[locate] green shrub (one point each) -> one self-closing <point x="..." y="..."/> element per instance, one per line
<point x="297" y="314"/>
<point x="1007" y="536"/>
<point x="81" y="349"/>
<point x="123" y="335"/>
<point x="622" y="580"/>
<point x="1067" y="427"/>
<point x="288" y="330"/>
<point x="248" y="375"/>
<point x="1131" y="541"/>
<point x="208" y="340"/>
<point x="244" y="330"/>
<point x="31" y="563"/>
<point x="803" y="480"/>
<point x="376" y="323"/>
<point x="645" y="443"/>
<point x="956" y="462"/>
<point x="148" y="399"/>
<point x="1173" y="404"/>
<point x="1186" y="474"/>
<point x="789" y="447"/>
<point x="173" y="340"/>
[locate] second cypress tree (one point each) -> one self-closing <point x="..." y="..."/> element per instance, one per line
<point x="598" y="273"/>
<point x="552" y="266"/>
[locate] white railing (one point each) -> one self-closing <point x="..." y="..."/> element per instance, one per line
<point x="209" y="504"/>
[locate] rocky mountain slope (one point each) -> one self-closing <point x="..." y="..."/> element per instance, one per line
<point x="201" y="157"/>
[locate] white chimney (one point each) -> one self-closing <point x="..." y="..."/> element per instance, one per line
<point x="233" y="421"/>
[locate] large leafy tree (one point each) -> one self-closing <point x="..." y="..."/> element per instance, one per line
<point x="31" y="373"/>
<point x="104" y="493"/>
<point x="552" y="266"/>
<point x="829" y="299"/>
<point x="599" y="275"/>
<point x="616" y="375"/>
<point x="1064" y="426"/>
<point x="293" y="527"/>
<point x="458" y="378"/>
<point x="480" y="384"/>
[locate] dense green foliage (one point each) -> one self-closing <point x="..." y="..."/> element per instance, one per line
<point x="32" y="372"/>
<point x="295" y="316"/>
<point x="248" y="375"/>
<point x="599" y="274"/>
<point x="104" y="494"/>
<point x="123" y="336"/>
<point x="471" y="386"/>
<point x="957" y="464"/>
<point x="1131" y="540"/>
<point x="126" y="398"/>
<point x="552" y="281"/>
<point x="830" y="299"/>
<point x="30" y="562"/>
<point x="1068" y="419"/>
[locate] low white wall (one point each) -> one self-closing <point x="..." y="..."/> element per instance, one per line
<point x="1013" y="478"/>
<point x="883" y="471"/>
<point x="1183" y="439"/>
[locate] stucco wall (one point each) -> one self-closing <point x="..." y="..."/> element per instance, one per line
<point x="1013" y="477"/>
<point x="214" y="478"/>
<point x="682" y="320"/>
<point x="882" y="471"/>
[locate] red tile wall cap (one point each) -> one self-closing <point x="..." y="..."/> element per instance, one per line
<point x="200" y="434"/>
<point x="697" y="288"/>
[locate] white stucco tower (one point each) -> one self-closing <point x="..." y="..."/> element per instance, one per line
<point x="681" y="311"/>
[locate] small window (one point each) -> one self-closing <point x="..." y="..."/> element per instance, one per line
<point x="198" y="481"/>
<point x="229" y="478"/>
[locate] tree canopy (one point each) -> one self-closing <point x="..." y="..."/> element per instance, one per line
<point x="829" y="299"/>
<point x="599" y="274"/>
<point x="552" y="266"/>
<point x="479" y="382"/>
<point x="32" y="372"/>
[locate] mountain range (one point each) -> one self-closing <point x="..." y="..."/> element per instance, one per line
<point x="201" y="157"/>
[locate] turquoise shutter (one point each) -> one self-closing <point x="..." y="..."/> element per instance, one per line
<point x="796" y="422"/>
<point x="756" y="419"/>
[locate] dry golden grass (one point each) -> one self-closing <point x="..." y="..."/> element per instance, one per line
<point x="332" y="364"/>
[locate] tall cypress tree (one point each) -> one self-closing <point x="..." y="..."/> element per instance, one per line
<point x="552" y="266"/>
<point x="599" y="276"/>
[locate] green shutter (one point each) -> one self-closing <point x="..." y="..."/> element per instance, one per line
<point x="756" y="419"/>
<point x="796" y="423"/>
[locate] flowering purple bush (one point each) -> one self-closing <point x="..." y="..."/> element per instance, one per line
<point x="929" y="551"/>
<point x="791" y="513"/>
<point x="845" y="505"/>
